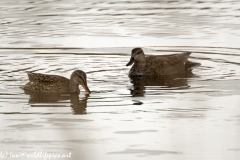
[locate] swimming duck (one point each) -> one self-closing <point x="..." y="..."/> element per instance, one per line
<point x="160" y="65"/>
<point x="45" y="83"/>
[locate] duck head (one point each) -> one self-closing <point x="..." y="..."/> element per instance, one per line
<point x="137" y="56"/>
<point x="77" y="78"/>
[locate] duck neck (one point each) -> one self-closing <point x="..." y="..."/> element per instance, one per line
<point x="141" y="63"/>
<point x="73" y="87"/>
<point x="140" y="60"/>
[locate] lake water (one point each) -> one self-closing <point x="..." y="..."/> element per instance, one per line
<point x="185" y="118"/>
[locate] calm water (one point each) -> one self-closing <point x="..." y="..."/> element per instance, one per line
<point x="184" y="118"/>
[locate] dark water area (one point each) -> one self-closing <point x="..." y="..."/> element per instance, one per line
<point x="179" y="117"/>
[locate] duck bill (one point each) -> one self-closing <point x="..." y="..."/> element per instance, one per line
<point x="86" y="88"/>
<point x="130" y="62"/>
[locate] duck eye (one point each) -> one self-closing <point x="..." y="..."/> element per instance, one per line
<point x="138" y="51"/>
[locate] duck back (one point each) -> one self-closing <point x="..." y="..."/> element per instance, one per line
<point x="47" y="83"/>
<point x="161" y="65"/>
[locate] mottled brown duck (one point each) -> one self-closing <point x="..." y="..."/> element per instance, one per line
<point x="45" y="83"/>
<point x="160" y="65"/>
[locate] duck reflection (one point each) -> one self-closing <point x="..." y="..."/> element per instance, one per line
<point x="164" y="82"/>
<point x="78" y="106"/>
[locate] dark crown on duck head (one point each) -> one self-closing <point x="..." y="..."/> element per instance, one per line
<point x="81" y="75"/>
<point x="137" y="51"/>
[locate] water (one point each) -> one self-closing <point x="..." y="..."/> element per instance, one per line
<point x="195" y="117"/>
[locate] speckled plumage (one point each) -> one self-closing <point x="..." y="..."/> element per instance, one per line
<point x="159" y="65"/>
<point x="56" y="84"/>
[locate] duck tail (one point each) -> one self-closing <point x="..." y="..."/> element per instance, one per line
<point x="188" y="53"/>
<point x="189" y="66"/>
<point x="184" y="56"/>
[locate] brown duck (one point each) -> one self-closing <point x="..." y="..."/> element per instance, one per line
<point x="45" y="83"/>
<point x="160" y="65"/>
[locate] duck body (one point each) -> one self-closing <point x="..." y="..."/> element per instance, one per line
<point x="161" y="65"/>
<point x="45" y="83"/>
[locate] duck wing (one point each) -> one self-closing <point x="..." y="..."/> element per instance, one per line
<point x="164" y="61"/>
<point x="45" y="78"/>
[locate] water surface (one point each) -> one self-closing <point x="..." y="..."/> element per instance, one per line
<point x="193" y="117"/>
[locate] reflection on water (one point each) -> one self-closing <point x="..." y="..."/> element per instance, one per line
<point x="78" y="106"/>
<point x="172" y="82"/>
<point x="179" y="114"/>
<point x="183" y="118"/>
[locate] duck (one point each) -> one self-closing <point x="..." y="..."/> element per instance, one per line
<point x="159" y="65"/>
<point x="44" y="83"/>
